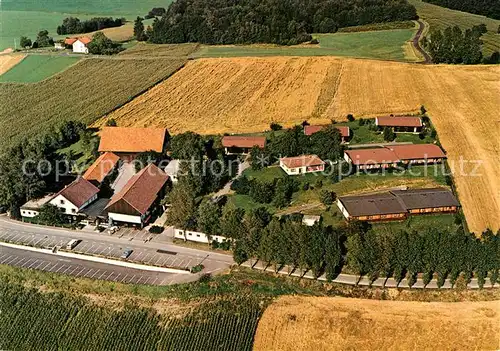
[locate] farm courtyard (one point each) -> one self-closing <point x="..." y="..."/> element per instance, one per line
<point x="233" y="95"/>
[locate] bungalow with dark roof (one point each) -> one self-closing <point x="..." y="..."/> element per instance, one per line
<point x="234" y="144"/>
<point x="136" y="201"/>
<point x="75" y="197"/>
<point x="128" y="142"/>
<point x="302" y="164"/>
<point x="400" y="124"/>
<point x="345" y="132"/>
<point x="391" y="156"/>
<point x="397" y="204"/>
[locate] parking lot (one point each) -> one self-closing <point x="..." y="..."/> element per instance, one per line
<point x="86" y="269"/>
<point x="161" y="258"/>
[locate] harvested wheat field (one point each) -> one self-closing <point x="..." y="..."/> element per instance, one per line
<point x="328" y="323"/>
<point x="246" y="94"/>
<point x="9" y="61"/>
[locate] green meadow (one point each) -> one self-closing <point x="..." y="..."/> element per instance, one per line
<point x="386" y="45"/>
<point x="35" y="68"/>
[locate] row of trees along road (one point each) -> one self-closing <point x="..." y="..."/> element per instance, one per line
<point x="285" y="22"/>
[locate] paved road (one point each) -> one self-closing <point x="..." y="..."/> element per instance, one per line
<point x="86" y="269"/>
<point x="153" y="253"/>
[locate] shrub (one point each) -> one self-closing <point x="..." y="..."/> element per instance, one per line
<point x="319" y="184"/>
<point x="275" y="126"/>
<point x="327" y="197"/>
<point x="196" y="269"/>
<point x="156" y="229"/>
<point x="389" y="135"/>
<point x="361" y="122"/>
<point x="350" y="117"/>
<point x="305" y="187"/>
<point x="241" y="185"/>
<point x="314" y="41"/>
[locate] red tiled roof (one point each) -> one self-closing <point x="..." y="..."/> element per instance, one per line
<point x="372" y="156"/>
<point x="302" y="161"/>
<point x="311" y="129"/>
<point x="243" y="141"/>
<point x="78" y="192"/>
<point x="85" y="40"/>
<point x="417" y="151"/>
<point x="101" y="167"/>
<point x="141" y="190"/>
<point x="122" y="139"/>
<point x="69" y="41"/>
<point x="400" y="121"/>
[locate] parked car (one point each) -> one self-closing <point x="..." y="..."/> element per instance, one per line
<point x="126" y="253"/>
<point x="72" y="244"/>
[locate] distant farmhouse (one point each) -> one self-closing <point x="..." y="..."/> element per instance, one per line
<point x="79" y="45"/>
<point x="400" y="124"/>
<point x="391" y="156"/>
<point x="242" y="144"/>
<point x="302" y="164"/>
<point x="345" y="132"/>
<point x="397" y="204"/>
<point x="127" y="143"/>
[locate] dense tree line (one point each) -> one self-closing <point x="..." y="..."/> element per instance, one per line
<point x="284" y="22"/>
<point x="20" y="180"/>
<point x="455" y="46"/>
<point x="73" y="25"/>
<point x="278" y="192"/>
<point x="488" y="8"/>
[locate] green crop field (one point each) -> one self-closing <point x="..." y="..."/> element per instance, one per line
<point x="27" y="17"/>
<point x="440" y="17"/>
<point x="86" y="91"/>
<point x="35" y="68"/>
<point x="387" y="45"/>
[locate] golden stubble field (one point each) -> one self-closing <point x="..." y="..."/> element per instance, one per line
<point x="298" y="323"/>
<point x="246" y="94"/>
<point x="7" y="61"/>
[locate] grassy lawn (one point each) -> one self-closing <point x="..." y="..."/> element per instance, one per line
<point x="82" y="159"/>
<point x="440" y="17"/>
<point x="35" y="68"/>
<point x="386" y="45"/>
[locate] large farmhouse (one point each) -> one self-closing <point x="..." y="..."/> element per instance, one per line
<point x="136" y="201"/>
<point x="397" y="204"/>
<point x="391" y="156"/>
<point x="242" y="144"/>
<point x="128" y="142"/>
<point x="400" y="124"/>
<point x="302" y="164"/>
<point x="345" y="132"/>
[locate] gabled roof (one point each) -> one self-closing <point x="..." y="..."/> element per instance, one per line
<point x="85" y="40"/>
<point x="311" y="129"/>
<point x="69" y="41"/>
<point x="141" y="190"/>
<point x="78" y="192"/>
<point x="399" y="121"/>
<point x="302" y="161"/>
<point x="426" y="198"/>
<point x="417" y="151"/>
<point x="101" y="167"/>
<point x="374" y="204"/>
<point x="243" y="141"/>
<point x="123" y="139"/>
<point x="372" y="156"/>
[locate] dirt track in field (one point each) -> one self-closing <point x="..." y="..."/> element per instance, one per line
<point x="246" y="94"/>
<point x="8" y="61"/>
<point x="328" y="323"/>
